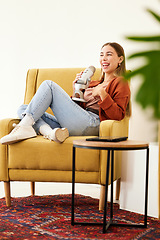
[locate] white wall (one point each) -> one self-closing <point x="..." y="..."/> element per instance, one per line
<point x="68" y="33"/>
<point x="132" y="195"/>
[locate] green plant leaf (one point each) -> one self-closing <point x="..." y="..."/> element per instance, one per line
<point x="157" y="17"/>
<point x="138" y="71"/>
<point x="148" y="54"/>
<point x="149" y="92"/>
<point x="145" y="39"/>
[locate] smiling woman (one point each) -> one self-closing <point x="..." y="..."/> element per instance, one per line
<point x="106" y="99"/>
<point x="112" y="56"/>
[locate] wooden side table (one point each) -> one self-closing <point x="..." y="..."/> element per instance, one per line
<point x="111" y="147"/>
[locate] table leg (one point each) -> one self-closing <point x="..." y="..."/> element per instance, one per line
<point x="106" y="194"/>
<point x="73" y="187"/>
<point x="146" y="200"/>
<point x="110" y="222"/>
<point x="146" y="188"/>
<point x="112" y="173"/>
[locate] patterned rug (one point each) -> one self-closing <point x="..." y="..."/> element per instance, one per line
<point x="49" y="217"/>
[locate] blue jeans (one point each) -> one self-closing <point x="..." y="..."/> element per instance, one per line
<point x="67" y="113"/>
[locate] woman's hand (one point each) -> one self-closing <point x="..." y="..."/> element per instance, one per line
<point x="78" y="76"/>
<point x="99" y="91"/>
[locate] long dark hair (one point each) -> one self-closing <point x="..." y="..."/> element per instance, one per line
<point x="121" y="69"/>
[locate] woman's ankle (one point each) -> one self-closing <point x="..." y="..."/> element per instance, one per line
<point x="45" y="130"/>
<point x="27" y="120"/>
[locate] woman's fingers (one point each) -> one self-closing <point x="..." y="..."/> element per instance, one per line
<point x="78" y="75"/>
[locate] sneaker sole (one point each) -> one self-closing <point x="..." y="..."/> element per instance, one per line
<point x="61" y="134"/>
<point x="15" y="141"/>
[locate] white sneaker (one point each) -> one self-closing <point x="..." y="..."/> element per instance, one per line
<point x="58" y="135"/>
<point x="19" y="133"/>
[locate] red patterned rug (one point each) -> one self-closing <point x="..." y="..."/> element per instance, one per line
<point x="49" y="217"/>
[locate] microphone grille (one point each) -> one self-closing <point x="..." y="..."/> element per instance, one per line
<point x="92" y="68"/>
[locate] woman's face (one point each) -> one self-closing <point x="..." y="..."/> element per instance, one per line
<point x="109" y="59"/>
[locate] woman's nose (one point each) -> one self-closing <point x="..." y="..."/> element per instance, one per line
<point x="104" y="57"/>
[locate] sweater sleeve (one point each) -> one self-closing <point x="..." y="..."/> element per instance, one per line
<point x="115" y="104"/>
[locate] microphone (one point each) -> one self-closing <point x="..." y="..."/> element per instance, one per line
<point x="87" y="74"/>
<point x="83" y="83"/>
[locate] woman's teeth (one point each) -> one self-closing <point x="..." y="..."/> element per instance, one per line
<point x="105" y="65"/>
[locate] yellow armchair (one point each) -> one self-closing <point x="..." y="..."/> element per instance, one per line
<point x="39" y="160"/>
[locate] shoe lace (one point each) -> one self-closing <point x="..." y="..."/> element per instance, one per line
<point x="16" y="127"/>
<point x="47" y="137"/>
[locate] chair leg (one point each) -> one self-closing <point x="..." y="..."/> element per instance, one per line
<point x="102" y="198"/>
<point x="118" y="184"/>
<point x="32" y="188"/>
<point x="7" y="193"/>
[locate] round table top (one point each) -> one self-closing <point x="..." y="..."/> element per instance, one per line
<point x="128" y="144"/>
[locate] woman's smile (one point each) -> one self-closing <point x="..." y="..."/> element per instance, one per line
<point x="105" y="65"/>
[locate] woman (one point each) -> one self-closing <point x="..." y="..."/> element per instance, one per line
<point x="105" y="99"/>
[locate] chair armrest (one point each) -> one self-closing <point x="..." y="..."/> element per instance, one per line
<point x="6" y="125"/>
<point x="114" y="128"/>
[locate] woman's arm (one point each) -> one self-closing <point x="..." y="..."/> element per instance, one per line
<point x="99" y="91"/>
<point x="113" y="105"/>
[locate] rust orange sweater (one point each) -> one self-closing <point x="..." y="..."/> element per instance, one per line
<point x="114" y="106"/>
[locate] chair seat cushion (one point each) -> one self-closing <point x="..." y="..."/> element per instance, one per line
<point x="41" y="154"/>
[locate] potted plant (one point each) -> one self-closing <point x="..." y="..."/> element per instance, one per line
<point x="148" y="94"/>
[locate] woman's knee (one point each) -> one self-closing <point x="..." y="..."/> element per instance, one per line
<point x="48" y="82"/>
<point x="51" y="84"/>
